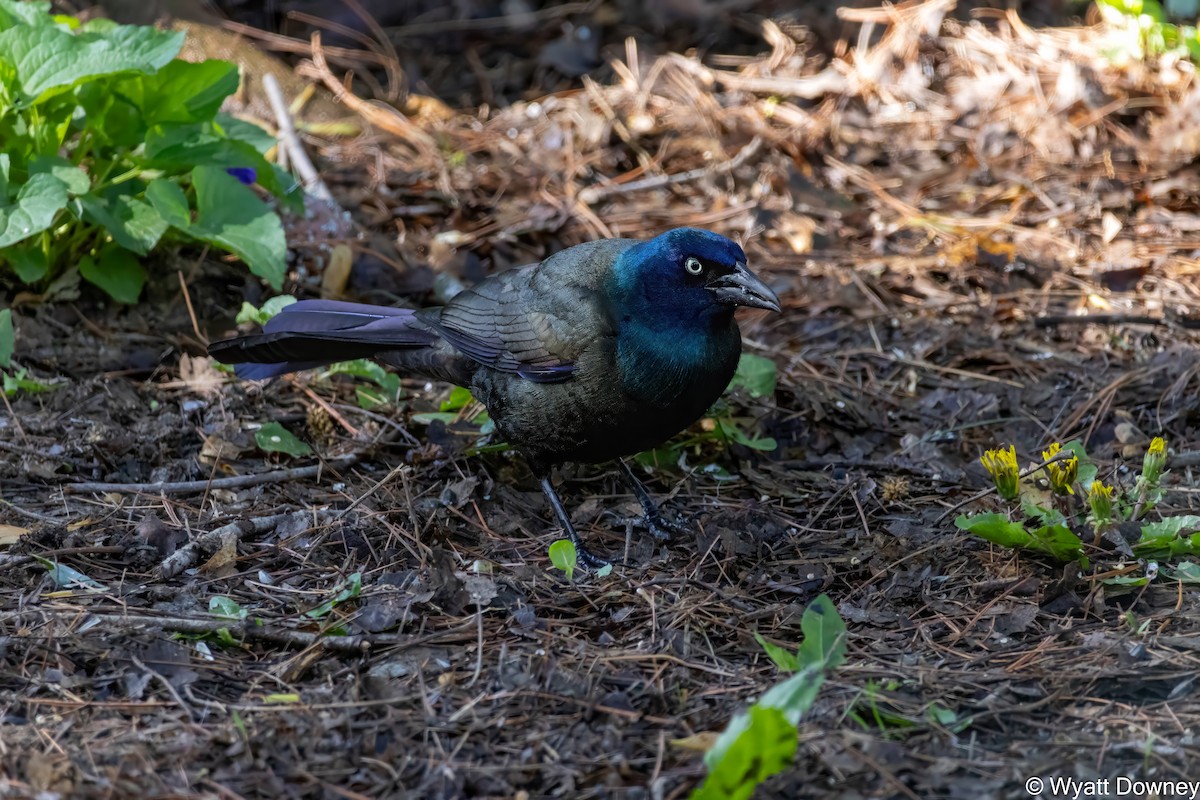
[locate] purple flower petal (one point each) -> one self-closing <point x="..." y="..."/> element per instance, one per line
<point x="246" y="175"/>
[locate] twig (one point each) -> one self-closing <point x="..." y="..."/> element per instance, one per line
<point x="1053" y="320"/>
<point x="288" y="140"/>
<point x="378" y="485"/>
<point x="252" y="629"/>
<point x="188" y="487"/>
<point x="593" y="194"/>
<point x="208" y="543"/>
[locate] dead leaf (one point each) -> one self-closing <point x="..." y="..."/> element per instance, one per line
<point x="11" y="534"/>
<point x="199" y="375"/>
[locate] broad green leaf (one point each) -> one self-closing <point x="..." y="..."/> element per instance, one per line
<point x="24" y="12"/>
<point x="132" y="223"/>
<point x="426" y="417"/>
<point x="1176" y="535"/>
<point x="1059" y="541"/>
<point x="37" y="204"/>
<point x="117" y="272"/>
<point x="460" y="397"/>
<point x="47" y="59"/>
<point x="1184" y="572"/>
<point x="755" y="374"/>
<point x="66" y="577"/>
<point x="8" y="338"/>
<point x="764" y="746"/>
<point x="222" y="606"/>
<point x="996" y="528"/>
<point x="230" y="215"/>
<point x="781" y="658"/>
<point x="564" y="556"/>
<point x="28" y="260"/>
<point x="273" y="306"/>
<point x="274" y="438"/>
<point x="170" y="202"/>
<point x="824" y="635"/>
<point x="182" y="91"/>
<point x="184" y="146"/>
<point x="74" y="178"/>
<point x="732" y="431"/>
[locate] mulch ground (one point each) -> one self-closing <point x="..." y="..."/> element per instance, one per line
<point x="982" y="234"/>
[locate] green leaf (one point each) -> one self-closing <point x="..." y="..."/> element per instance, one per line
<point x="785" y="661"/>
<point x="1167" y="536"/>
<point x="426" y="417"/>
<point x="346" y="590"/>
<point x="995" y="528"/>
<point x="24" y="12"/>
<point x="28" y="260"/>
<point x="1059" y="541"/>
<point x="1087" y="467"/>
<point x="222" y="606"/>
<point x="74" y="178"/>
<point x="564" y="556"/>
<point x="170" y="202"/>
<point x="133" y="224"/>
<point x="459" y="399"/>
<point x="18" y="382"/>
<point x="47" y="60"/>
<point x="37" y="204"/>
<point x="764" y="746"/>
<point x="184" y="146"/>
<point x="66" y="577"/>
<point x="231" y="216"/>
<point x="274" y="438"/>
<point x="8" y="338"/>
<point x="1184" y="572"/>
<point x="824" y="635"/>
<point x="273" y="306"/>
<point x="732" y="431"/>
<point x="182" y="91"/>
<point x="116" y="271"/>
<point x="755" y="374"/>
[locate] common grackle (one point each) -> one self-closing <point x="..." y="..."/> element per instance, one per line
<point x="602" y="350"/>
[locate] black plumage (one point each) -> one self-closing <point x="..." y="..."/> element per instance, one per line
<point x="600" y="351"/>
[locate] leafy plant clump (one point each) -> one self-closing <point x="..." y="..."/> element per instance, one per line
<point x="1050" y="520"/>
<point x="112" y="146"/>
<point x="762" y="741"/>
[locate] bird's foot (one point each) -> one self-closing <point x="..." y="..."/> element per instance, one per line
<point x="663" y="528"/>
<point x="587" y="558"/>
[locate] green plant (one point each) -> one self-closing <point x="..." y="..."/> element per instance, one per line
<point x="1142" y="29"/>
<point x="564" y="556"/>
<point x="762" y="741"/>
<point x="1049" y="521"/>
<point x="113" y="146"/>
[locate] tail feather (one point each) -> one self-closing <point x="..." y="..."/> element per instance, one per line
<point x="313" y="333"/>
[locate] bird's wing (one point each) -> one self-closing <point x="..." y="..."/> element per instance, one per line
<point x="534" y="321"/>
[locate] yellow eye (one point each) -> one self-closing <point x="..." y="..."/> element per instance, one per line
<point x="693" y="266"/>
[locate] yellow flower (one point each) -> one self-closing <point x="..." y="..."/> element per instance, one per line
<point x="1100" y="498"/>
<point x="1062" y="474"/>
<point x="1001" y="464"/>
<point x="1154" y="461"/>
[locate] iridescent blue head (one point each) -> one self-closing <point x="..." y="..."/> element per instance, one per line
<point x="686" y="279"/>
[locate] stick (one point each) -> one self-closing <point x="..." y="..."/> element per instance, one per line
<point x="190" y="487"/>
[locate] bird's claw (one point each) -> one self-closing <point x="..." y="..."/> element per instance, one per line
<point x="589" y="559"/>
<point x="662" y="528"/>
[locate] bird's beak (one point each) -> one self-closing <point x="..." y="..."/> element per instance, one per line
<point x="743" y="288"/>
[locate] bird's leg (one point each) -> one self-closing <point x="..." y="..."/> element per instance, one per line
<point x="658" y="525"/>
<point x="584" y="555"/>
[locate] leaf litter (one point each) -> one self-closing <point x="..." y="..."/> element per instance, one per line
<point x="983" y="232"/>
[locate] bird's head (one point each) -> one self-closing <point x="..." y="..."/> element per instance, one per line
<point x="689" y="273"/>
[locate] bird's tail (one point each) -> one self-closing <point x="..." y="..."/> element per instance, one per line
<point x="313" y="333"/>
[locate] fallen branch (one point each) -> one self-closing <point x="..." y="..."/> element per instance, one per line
<point x="247" y="630"/>
<point x="187" y="487"/>
<point x="206" y="544"/>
